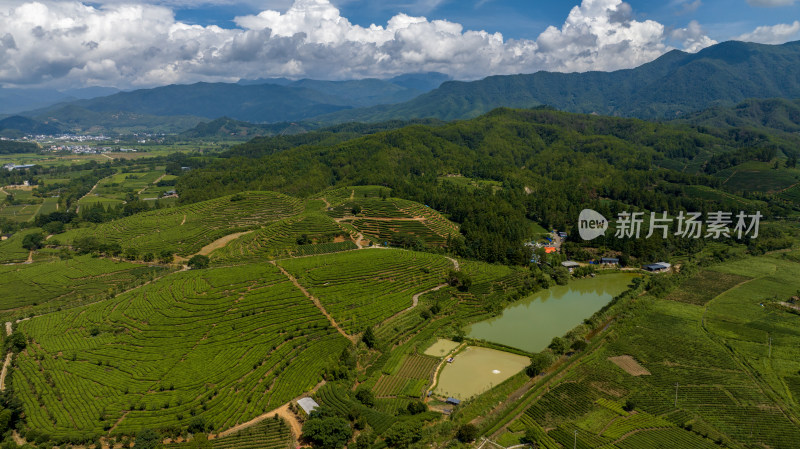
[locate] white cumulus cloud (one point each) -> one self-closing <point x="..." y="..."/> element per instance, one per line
<point x="776" y="34"/>
<point x="67" y="43"/>
<point x="770" y="3"/>
<point x="692" y="38"/>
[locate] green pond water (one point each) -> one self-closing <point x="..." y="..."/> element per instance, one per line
<point x="531" y="323"/>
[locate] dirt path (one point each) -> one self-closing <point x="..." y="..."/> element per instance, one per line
<point x="105" y="155"/>
<point x="78" y="208"/>
<point x="327" y="204"/>
<point x="439" y="368"/>
<point x="151" y="184"/>
<point x="729" y="177"/>
<point x="316" y="303"/>
<point x="4" y="372"/>
<point x="7" y="362"/>
<point x="359" y="238"/>
<point x="456" y="265"/>
<point x="283" y="412"/>
<point x="114" y="427"/>
<point x="414" y="303"/>
<point x="184" y="220"/>
<point x="220" y="243"/>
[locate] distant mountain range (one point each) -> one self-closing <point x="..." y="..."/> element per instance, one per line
<point x="17" y="100"/>
<point x="672" y="86"/>
<point x="675" y="86"/>
<point x="257" y="101"/>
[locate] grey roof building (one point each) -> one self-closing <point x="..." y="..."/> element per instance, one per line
<point x="308" y="405"/>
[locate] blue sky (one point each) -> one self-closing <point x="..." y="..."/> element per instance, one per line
<point x="516" y="19"/>
<point x="145" y="43"/>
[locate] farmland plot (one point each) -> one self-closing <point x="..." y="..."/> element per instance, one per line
<point x="224" y="344"/>
<point x="363" y="288"/>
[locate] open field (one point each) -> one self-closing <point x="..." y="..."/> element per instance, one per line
<point x="705" y="286"/>
<point x="224" y="344"/>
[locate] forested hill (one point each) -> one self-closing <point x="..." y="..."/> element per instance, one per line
<point x="548" y="163"/>
<point x="267" y="138"/>
<point x="772" y="113"/>
<point x="671" y="86"/>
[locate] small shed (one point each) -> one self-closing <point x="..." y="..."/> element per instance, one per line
<point x="453" y="401"/>
<point x="656" y="267"/>
<point x="570" y="265"/>
<point x="609" y="261"/>
<point x="308" y="405"/>
<point x="5" y="236"/>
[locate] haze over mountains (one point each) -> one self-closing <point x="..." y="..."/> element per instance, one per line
<point x="257" y="101"/>
<point x="674" y="86"/>
<point x="667" y="88"/>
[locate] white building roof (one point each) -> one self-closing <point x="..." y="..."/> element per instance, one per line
<point x="308" y="405"/>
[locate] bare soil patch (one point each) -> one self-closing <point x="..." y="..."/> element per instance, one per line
<point x="629" y="365"/>
<point x="220" y="243"/>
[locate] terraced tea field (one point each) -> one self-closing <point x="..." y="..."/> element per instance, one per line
<point x="410" y="379"/>
<point x="268" y="434"/>
<point x="187" y="229"/>
<point x="306" y="234"/>
<point x="66" y="282"/>
<point x="387" y="219"/>
<point x="11" y="250"/>
<point x="392" y="219"/>
<point x="363" y="288"/>
<point x="224" y="344"/>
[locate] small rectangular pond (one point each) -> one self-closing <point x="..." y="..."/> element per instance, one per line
<point x="531" y="323"/>
<point x="476" y="370"/>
